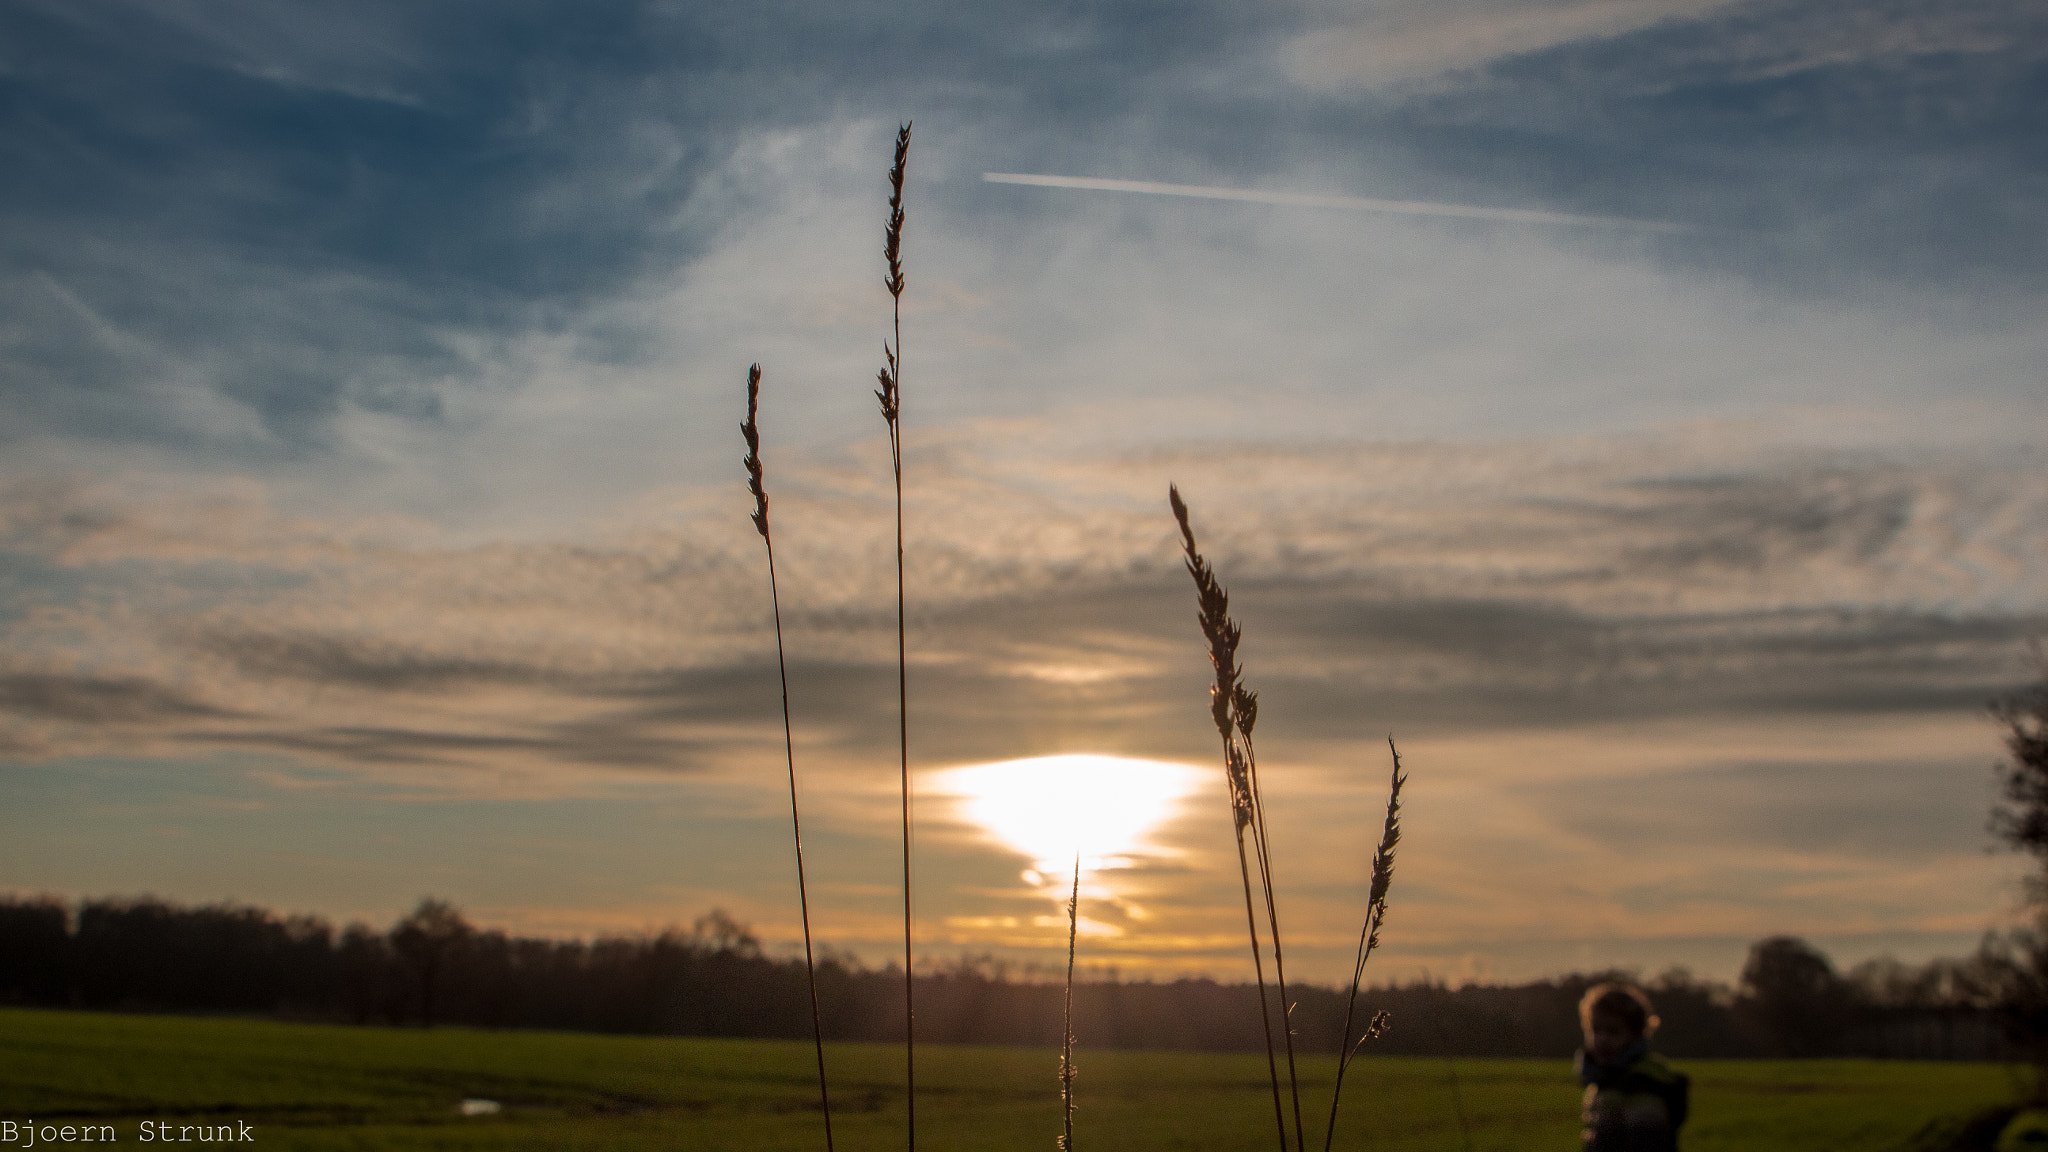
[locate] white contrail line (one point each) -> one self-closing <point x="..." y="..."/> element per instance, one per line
<point x="1351" y="203"/>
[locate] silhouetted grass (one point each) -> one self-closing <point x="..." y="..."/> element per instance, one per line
<point x="1369" y="939"/>
<point x="891" y="398"/>
<point x="1066" y="1141"/>
<point x="1233" y="708"/>
<point x="751" y="432"/>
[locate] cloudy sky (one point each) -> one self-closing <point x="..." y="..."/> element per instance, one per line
<point x="372" y="525"/>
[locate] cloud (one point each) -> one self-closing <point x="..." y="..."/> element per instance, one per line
<point x="1377" y="45"/>
<point x="1380" y="45"/>
<point x="97" y="700"/>
<point x="384" y="247"/>
<point x="1549" y="583"/>
<point x="1872" y="808"/>
<point x="1875" y="147"/>
<point x="1697" y="690"/>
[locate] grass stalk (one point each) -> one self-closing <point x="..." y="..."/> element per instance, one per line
<point x="1235" y="762"/>
<point x="890" y="396"/>
<point x="1226" y="698"/>
<point x="1369" y="938"/>
<point x="1066" y="1142"/>
<point x="1245" y="712"/>
<point x="751" y="431"/>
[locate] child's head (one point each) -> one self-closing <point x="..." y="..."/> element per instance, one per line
<point x="1613" y="1016"/>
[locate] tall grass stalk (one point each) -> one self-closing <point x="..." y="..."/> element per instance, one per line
<point x="751" y="431"/>
<point x="1369" y="938"/>
<point x="1245" y="712"/>
<point x="1066" y="1142"/>
<point x="1227" y="700"/>
<point x="890" y="396"/>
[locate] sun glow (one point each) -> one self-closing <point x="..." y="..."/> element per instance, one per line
<point x="1106" y="809"/>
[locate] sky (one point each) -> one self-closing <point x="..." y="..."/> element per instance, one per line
<point x="1666" y="477"/>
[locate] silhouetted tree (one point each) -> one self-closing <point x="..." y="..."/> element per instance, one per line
<point x="363" y="968"/>
<point x="427" y="940"/>
<point x="2021" y="817"/>
<point x="149" y="954"/>
<point x="2017" y="963"/>
<point x="725" y="934"/>
<point x="1696" y="1015"/>
<point x="1794" y="997"/>
<point x="716" y="980"/>
<point x="35" y="952"/>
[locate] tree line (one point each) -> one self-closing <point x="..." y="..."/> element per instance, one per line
<point x="434" y="967"/>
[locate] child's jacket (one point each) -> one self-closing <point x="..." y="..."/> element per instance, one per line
<point x="1633" y="1105"/>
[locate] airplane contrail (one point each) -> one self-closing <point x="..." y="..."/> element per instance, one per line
<point x="1351" y="203"/>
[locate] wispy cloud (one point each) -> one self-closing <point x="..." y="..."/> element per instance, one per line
<point x="1493" y="585"/>
<point x="1366" y="46"/>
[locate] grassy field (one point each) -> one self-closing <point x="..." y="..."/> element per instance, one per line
<point x="307" y="1086"/>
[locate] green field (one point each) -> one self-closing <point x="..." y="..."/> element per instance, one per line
<point x="310" y="1086"/>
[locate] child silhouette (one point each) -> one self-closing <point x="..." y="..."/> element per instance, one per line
<point x="1634" y="1101"/>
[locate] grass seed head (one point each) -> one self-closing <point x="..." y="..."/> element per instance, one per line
<point x="1390" y="836"/>
<point x="892" y="236"/>
<point x="1213" y="612"/>
<point x="1245" y="704"/>
<point x="886" y="394"/>
<point x="1239" y="770"/>
<point x="1383" y="857"/>
<point x="752" y="431"/>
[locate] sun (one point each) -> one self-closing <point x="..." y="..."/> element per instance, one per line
<point x="1052" y="808"/>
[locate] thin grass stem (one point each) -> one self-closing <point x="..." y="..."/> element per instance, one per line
<point x="891" y="399"/>
<point x="1251" y="923"/>
<point x="1066" y="1142"/>
<point x="1369" y="937"/>
<point x="1245" y="712"/>
<point x="751" y="431"/>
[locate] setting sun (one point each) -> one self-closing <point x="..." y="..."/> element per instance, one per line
<point x="1051" y="808"/>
